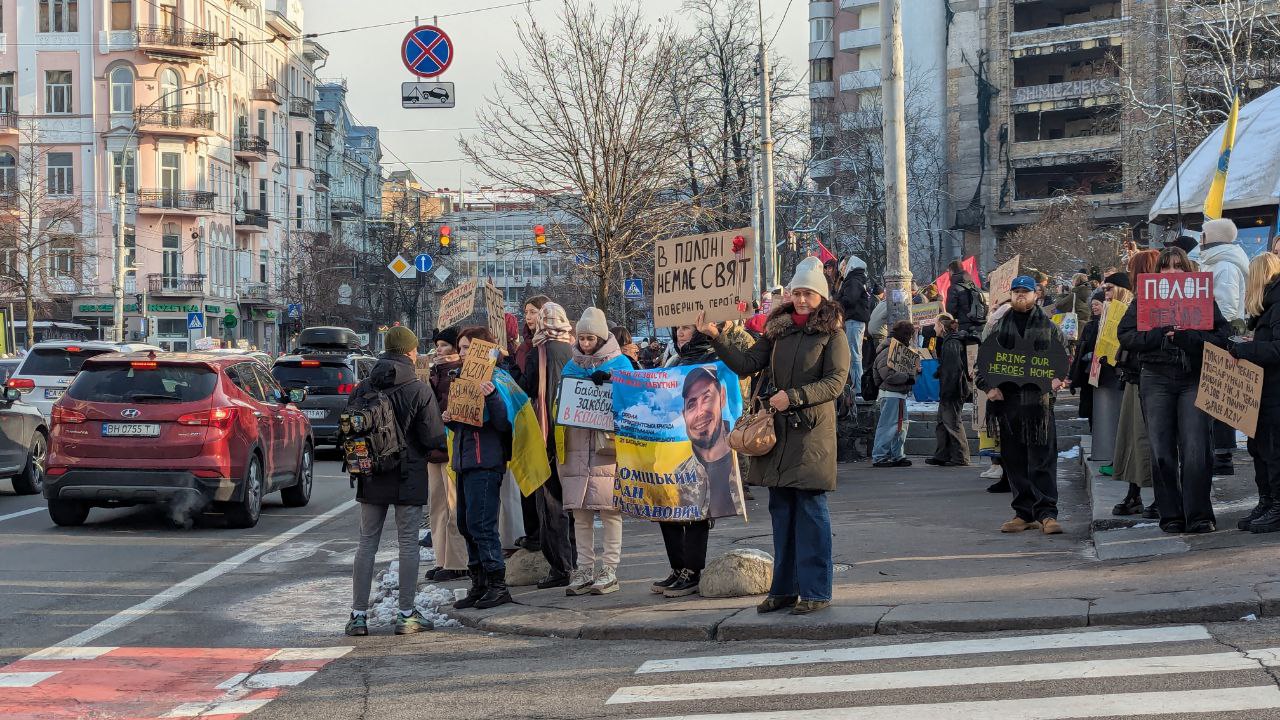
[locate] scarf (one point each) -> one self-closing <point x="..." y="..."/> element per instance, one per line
<point x="697" y="350"/>
<point x="799" y="320"/>
<point x="553" y="324"/>
<point x="1025" y="413"/>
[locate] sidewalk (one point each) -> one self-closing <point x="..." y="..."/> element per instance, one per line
<point x="919" y="550"/>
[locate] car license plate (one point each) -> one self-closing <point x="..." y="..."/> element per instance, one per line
<point x="316" y="414"/>
<point x="130" y="430"/>
<point x="53" y="393"/>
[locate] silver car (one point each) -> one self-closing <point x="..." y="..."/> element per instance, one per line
<point x="24" y="443"/>
<point x="50" y="367"/>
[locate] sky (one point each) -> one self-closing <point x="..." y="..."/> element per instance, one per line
<point x="426" y="139"/>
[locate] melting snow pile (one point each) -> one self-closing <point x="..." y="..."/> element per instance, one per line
<point x="1070" y="454"/>
<point x="385" y="602"/>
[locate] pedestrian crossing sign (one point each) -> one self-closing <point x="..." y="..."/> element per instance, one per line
<point x="633" y="288"/>
<point x="195" y="321"/>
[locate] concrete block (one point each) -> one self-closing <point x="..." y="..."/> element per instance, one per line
<point x="677" y="625"/>
<point x="1212" y="605"/>
<point x="834" y="623"/>
<point x="1269" y="596"/>
<point x="985" y="615"/>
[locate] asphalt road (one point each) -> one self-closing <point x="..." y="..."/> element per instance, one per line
<point x="131" y="617"/>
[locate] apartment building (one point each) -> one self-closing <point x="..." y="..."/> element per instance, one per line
<point x="350" y="159"/>
<point x="203" y="112"/>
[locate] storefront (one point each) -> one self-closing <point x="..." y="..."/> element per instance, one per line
<point x="169" y="322"/>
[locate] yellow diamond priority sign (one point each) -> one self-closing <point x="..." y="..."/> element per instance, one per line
<point x="401" y="268"/>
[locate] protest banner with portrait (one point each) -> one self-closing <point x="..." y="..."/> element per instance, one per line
<point x="1178" y="300"/>
<point x="674" y="460"/>
<point x="1230" y="390"/>
<point x="712" y="273"/>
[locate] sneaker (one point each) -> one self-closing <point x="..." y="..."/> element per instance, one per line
<point x="1151" y="513"/>
<point x="414" y="623"/>
<point x="1173" y="527"/>
<point x="358" y="625"/>
<point x="1000" y="486"/>
<point x="1050" y="526"/>
<point x="901" y="462"/>
<point x="995" y="472"/>
<point x="431" y="574"/>
<point x="661" y="585"/>
<point x="686" y="584"/>
<point x="1018" y="525"/>
<point x="1264" y="504"/>
<point x="773" y="603"/>
<point x="443" y="575"/>
<point x="606" y="582"/>
<point x="1107" y="470"/>
<point x="426" y="540"/>
<point x="580" y="582"/>
<point x="804" y="607"/>
<point x="1208" y="526"/>
<point x="935" y="461"/>
<point x="882" y="464"/>
<point x="554" y="580"/>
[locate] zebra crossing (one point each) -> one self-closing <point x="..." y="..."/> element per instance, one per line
<point x="1179" y="670"/>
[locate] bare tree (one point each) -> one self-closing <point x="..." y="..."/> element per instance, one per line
<point x="1066" y="238"/>
<point x="40" y="228"/>
<point x="577" y="110"/>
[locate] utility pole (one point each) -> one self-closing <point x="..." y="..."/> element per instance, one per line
<point x="769" y="245"/>
<point x="117" y="333"/>
<point x="897" y="279"/>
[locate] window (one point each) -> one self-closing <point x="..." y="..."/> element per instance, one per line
<point x="169" y="89"/>
<point x="58" y="15"/>
<point x="171" y="177"/>
<point x="61" y="181"/>
<point x="297" y="148"/>
<point x="61" y="259"/>
<point x="6" y="93"/>
<point x="262" y="124"/>
<point x="121" y="14"/>
<point x="121" y="90"/>
<point x="262" y="266"/>
<point x="298" y="213"/>
<point x="820" y="70"/>
<point x="820" y="30"/>
<point x="263" y="205"/>
<point x="124" y="168"/>
<point x="172" y="245"/>
<point x="57" y="92"/>
<point x="8" y="172"/>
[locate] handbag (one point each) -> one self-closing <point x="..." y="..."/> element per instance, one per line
<point x="754" y="435"/>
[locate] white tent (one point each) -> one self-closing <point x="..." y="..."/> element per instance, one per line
<point x="1254" y="177"/>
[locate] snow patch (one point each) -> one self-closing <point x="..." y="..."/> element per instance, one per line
<point x="384" y="604"/>
<point x="921" y="407"/>
<point x="1071" y="454"/>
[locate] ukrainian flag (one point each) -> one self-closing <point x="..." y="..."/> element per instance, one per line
<point x="529" y="463"/>
<point x="1213" y="203"/>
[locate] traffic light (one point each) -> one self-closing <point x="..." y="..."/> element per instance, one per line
<point x="445" y="240"/>
<point x="540" y="238"/>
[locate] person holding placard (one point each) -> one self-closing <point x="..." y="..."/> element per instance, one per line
<point x="442" y="501"/>
<point x="1180" y="433"/>
<point x="1131" y="461"/>
<point x="895" y="375"/>
<point x="1262" y="303"/>
<point x="588" y="463"/>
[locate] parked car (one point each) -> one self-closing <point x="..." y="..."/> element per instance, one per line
<point x="197" y="431"/>
<point x="48" y="368"/>
<point x="261" y="357"/>
<point x="24" y="443"/>
<point x="329" y="377"/>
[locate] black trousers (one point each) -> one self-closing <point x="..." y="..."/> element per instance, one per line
<point x="1181" y="447"/>
<point x="529" y="510"/>
<point x="1032" y="471"/>
<point x="686" y="544"/>
<point x="953" y="441"/>
<point x="1224" y="437"/>
<point x="555" y="527"/>
<point x="1264" y="448"/>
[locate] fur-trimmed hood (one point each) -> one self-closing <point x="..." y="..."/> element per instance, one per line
<point x="826" y="319"/>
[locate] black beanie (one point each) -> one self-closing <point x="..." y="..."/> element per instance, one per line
<point x="1120" y="279"/>
<point x="449" y="335"/>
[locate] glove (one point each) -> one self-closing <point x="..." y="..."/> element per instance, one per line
<point x="600" y="377"/>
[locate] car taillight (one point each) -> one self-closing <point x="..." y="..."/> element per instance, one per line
<point x="310" y="363"/>
<point x="346" y="389"/>
<point x="55" y="471"/>
<point x="143" y="365"/>
<point x="220" y="418"/>
<point x="63" y="416"/>
<point x="25" y="385"/>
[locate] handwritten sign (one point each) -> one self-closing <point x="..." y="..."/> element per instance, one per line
<point x="1108" y="347"/>
<point x="495" y="309"/>
<point x="1022" y="364"/>
<point x="466" y="393"/>
<point x="585" y="404"/>
<point x="1001" y="278"/>
<point x="925" y="313"/>
<point x="457" y="304"/>
<point x="1230" y="391"/>
<point x="1069" y="324"/>
<point x="702" y="273"/>
<point x="1182" y="300"/>
<point x="902" y="358"/>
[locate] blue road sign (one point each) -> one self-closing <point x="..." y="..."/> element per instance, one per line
<point x="295" y="311"/>
<point x="195" y="321"/>
<point x="634" y="288"/>
<point x="427" y="51"/>
<point x="423" y="262"/>
<point x="581" y="259"/>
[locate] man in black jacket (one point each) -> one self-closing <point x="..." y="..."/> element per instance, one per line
<point x="856" y="303"/>
<point x="405" y="486"/>
<point x="962" y="298"/>
<point x="955" y="388"/>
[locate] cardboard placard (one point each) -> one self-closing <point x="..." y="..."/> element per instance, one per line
<point x="1180" y="300"/>
<point x="1001" y="278"/>
<point x="466" y="394"/>
<point x="902" y="358"/>
<point x="925" y="313"/>
<point x="1108" y="346"/>
<point x="702" y="273"/>
<point x="1230" y="390"/>
<point x="584" y="404"/>
<point x="457" y="304"/>
<point x="495" y="309"/>
<point x="1022" y="364"/>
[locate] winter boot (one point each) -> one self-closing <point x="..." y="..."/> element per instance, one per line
<point x="1264" y="504"/>
<point x="1222" y="464"/>
<point x="496" y="593"/>
<point x="479" y="585"/>
<point x="1268" y="522"/>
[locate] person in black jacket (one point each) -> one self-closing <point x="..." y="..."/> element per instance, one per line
<point x="405" y="487"/>
<point x="1180" y="433"/>
<point x="856" y="302"/>
<point x="955" y="388"/>
<point x="1262" y="303"/>
<point x="961" y="302"/>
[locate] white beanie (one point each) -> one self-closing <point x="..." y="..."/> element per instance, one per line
<point x="593" y="322"/>
<point x="1218" y="232"/>
<point x="809" y="276"/>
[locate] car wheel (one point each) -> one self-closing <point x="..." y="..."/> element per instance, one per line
<point x="299" y="494"/>
<point x="31" y="480"/>
<point x="244" y="514"/>
<point x="68" y="513"/>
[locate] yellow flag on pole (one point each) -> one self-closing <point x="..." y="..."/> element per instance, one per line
<point x="1213" y="203"/>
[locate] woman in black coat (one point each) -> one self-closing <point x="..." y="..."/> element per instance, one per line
<point x="1262" y="302"/>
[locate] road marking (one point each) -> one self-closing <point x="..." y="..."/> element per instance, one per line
<point x="1107" y="638"/>
<point x="23" y="679"/>
<point x="263" y="681"/>
<point x="998" y="674"/>
<point x="176" y="591"/>
<point x="320" y="653"/>
<point x="1055" y="708"/>
<point x="231" y="707"/>
<point x="69" y="653"/>
<point x="20" y="513"/>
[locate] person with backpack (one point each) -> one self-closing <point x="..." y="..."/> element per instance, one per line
<point x="856" y="302"/>
<point x="390" y="426"/>
<point x="966" y="303"/>
<point x="955" y="388"/>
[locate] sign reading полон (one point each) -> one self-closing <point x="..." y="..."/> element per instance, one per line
<point x="1181" y="300"/>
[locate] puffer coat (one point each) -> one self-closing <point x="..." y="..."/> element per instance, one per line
<point x="811" y="364"/>
<point x="589" y="463"/>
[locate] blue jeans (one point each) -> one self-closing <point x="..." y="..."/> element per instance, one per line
<point x="479" y="499"/>
<point x="855" y="329"/>
<point x="1181" y="438"/>
<point x="891" y="431"/>
<point x="801" y="544"/>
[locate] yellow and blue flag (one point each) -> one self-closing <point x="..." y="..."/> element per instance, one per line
<point x="529" y="464"/>
<point x="1218" y="189"/>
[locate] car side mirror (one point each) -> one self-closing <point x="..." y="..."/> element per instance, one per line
<point x="12" y="395"/>
<point x="296" y="395"/>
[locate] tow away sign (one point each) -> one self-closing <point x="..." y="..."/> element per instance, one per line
<point x="426" y="95"/>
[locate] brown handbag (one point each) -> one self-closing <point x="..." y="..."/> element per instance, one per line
<point x="754" y="435"/>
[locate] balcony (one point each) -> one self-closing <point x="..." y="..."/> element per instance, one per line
<point x="251" y="148"/>
<point x="856" y="4"/>
<point x="1065" y="151"/>
<point x="8" y="123"/>
<point x="818" y="90"/>
<point x="193" y="123"/>
<point x="255" y="293"/>
<point x="860" y="80"/>
<point x="343" y="208"/>
<point x="177" y="42"/>
<point x="269" y="90"/>
<point x="1078" y="36"/>
<point x="301" y="107"/>
<point x="252" y="221"/>
<point x="282" y="18"/>
<point x="323" y="180"/>
<point x="851" y="41"/>
<point x="159" y="285"/>
<point x="167" y="201"/>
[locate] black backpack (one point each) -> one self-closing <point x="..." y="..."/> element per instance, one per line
<point x="977" y="306"/>
<point x="371" y="439"/>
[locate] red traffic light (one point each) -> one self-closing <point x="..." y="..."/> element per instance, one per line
<point x="539" y="230"/>
<point x="444" y="230"/>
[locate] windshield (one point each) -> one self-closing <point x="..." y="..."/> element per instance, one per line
<point x="126" y="384"/>
<point x="318" y="379"/>
<point x="60" y="362"/>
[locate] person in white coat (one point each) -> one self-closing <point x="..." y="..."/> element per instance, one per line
<point x="1220" y="255"/>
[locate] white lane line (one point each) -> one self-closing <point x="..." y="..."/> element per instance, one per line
<point x="231" y="707"/>
<point x="951" y="677"/>
<point x="70" y="653"/>
<point x="23" y="679"/>
<point x="1106" y="638"/>
<point x="320" y="653"/>
<point x="176" y="591"/>
<point x="20" y="513"/>
<point x="1053" y="708"/>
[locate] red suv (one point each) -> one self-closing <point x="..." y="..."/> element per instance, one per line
<point x="197" y="431"/>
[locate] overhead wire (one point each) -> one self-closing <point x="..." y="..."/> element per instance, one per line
<point x="407" y="22"/>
